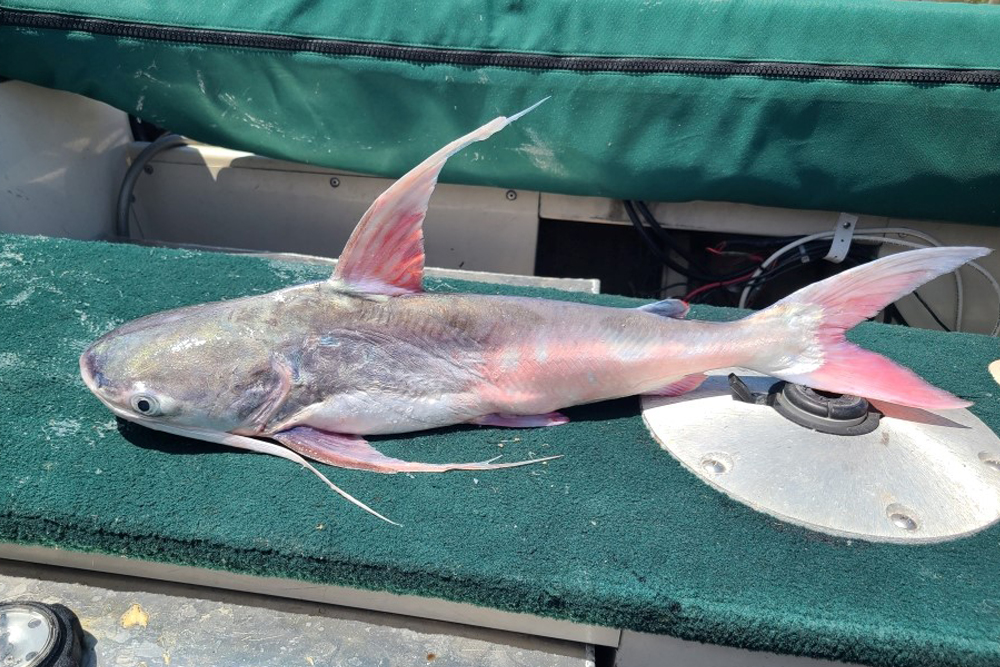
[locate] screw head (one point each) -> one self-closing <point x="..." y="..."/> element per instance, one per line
<point x="334" y="182"/>
<point x="990" y="460"/>
<point x="902" y="518"/>
<point x="511" y="195"/>
<point x="148" y="169"/>
<point x="716" y="463"/>
<point x="713" y="465"/>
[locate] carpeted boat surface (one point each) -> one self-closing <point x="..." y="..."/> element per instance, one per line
<point x="615" y="533"/>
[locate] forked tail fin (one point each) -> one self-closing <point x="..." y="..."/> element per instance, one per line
<point x="820" y="314"/>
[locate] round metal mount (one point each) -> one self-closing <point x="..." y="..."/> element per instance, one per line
<point x="918" y="476"/>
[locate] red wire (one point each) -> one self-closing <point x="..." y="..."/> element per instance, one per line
<point x="717" y="251"/>
<point x="704" y="288"/>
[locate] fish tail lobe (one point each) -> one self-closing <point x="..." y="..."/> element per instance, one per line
<point x="817" y="317"/>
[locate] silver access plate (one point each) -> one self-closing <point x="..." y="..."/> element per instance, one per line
<point x="132" y="622"/>
<point x="921" y="476"/>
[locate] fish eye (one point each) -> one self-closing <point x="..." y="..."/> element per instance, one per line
<point x="145" y="404"/>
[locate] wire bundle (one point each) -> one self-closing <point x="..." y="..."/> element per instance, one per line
<point x="656" y="238"/>
<point x="809" y="248"/>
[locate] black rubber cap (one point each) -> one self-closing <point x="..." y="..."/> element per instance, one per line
<point x="837" y="414"/>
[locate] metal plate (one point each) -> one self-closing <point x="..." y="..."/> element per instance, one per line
<point x="415" y="606"/>
<point x="919" y="477"/>
<point x="130" y="622"/>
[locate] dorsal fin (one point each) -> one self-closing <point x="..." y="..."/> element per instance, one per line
<point x="385" y="254"/>
<point x="675" y="308"/>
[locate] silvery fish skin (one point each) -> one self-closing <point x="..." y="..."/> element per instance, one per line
<point x="315" y="367"/>
<point x="363" y="366"/>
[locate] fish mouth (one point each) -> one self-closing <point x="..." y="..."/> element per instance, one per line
<point x="95" y="380"/>
<point x="98" y="385"/>
<point x="91" y="376"/>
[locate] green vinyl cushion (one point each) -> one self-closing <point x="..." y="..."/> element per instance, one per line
<point x="619" y="128"/>
<point x="616" y="533"/>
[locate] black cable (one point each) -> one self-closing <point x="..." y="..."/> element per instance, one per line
<point x="787" y="267"/>
<point x="931" y="312"/>
<point x="771" y="272"/>
<point x="795" y="261"/>
<point x="809" y="254"/>
<point x="812" y="251"/>
<point x="143" y="130"/>
<point x="665" y="258"/>
<point x="655" y="249"/>
<point x="666" y="238"/>
<point x="893" y="315"/>
<point x="761" y="241"/>
<point x="132" y="175"/>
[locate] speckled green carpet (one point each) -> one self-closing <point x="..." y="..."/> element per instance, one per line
<point x="615" y="533"/>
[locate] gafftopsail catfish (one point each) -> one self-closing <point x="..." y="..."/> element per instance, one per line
<point x="316" y="367"/>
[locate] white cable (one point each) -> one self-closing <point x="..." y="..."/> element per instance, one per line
<point x="775" y="255"/>
<point x="875" y="230"/>
<point x="877" y="239"/>
<point x="975" y="265"/>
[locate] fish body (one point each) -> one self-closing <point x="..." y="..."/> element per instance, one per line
<point x="316" y="367"/>
<point x="374" y="366"/>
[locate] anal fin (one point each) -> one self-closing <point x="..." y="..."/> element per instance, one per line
<point x="354" y="452"/>
<point x="682" y="386"/>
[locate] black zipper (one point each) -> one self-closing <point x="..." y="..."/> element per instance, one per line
<point x="476" y="58"/>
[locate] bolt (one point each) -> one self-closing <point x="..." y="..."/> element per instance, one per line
<point x="989" y="460"/>
<point x="902" y="518"/>
<point x="903" y="521"/>
<point x="847" y="225"/>
<point x="511" y="195"/>
<point x="716" y="464"/>
<point x="335" y="182"/>
<point x="713" y="466"/>
<point x="148" y="169"/>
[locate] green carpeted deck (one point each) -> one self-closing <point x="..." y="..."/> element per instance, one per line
<point x="616" y="533"/>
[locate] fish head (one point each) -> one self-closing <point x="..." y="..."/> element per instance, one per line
<point x="181" y="370"/>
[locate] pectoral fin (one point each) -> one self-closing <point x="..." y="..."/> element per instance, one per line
<point x="385" y="254"/>
<point x="351" y="451"/>
<point x="522" y="421"/>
